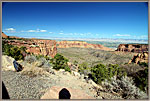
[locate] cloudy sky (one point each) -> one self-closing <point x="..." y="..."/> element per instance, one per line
<point x="76" y="19"/>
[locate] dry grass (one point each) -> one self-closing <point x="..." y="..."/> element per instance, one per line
<point x="32" y="70"/>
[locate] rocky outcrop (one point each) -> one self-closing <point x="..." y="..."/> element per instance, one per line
<point x="81" y="44"/>
<point x="36" y="46"/>
<point x="4" y="35"/>
<point x="139" y="58"/>
<point x="138" y="48"/>
<point x="7" y="63"/>
<point x="46" y="47"/>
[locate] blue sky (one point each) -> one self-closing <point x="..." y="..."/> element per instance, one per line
<point x="76" y="19"/>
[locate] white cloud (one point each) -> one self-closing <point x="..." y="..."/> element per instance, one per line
<point x="31" y="31"/>
<point x="121" y="35"/>
<point x="61" y="31"/>
<point x="10" y="30"/>
<point x="38" y="30"/>
<point x="50" y="32"/>
<point x="43" y="30"/>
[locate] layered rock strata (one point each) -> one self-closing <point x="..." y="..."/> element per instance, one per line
<point x="36" y="46"/>
<point x="81" y="44"/>
<point x="138" y="48"/>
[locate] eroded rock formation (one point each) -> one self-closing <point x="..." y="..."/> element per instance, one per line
<point x="139" y="58"/>
<point x="4" y="35"/>
<point x="138" y="48"/>
<point x="81" y="44"/>
<point x="36" y="46"/>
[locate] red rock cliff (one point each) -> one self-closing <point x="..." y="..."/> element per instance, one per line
<point x="138" y="48"/>
<point x="36" y="46"/>
<point x="81" y="44"/>
<point x="4" y="35"/>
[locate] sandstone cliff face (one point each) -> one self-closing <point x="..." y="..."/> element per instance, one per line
<point x="133" y="48"/>
<point x="47" y="47"/>
<point x="4" y="35"/>
<point x="81" y="44"/>
<point x="37" y="46"/>
<point x="140" y="57"/>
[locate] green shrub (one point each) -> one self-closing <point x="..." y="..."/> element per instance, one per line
<point x="6" y="47"/>
<point x="60" y="62"/>
<point x="141" y="79"/>
<point x="13" y="51"/>
<point x="101" y="72"/>
<point x="83" y="68"/>
<point x="16" y="53"/>
<point x="143" y="64"/>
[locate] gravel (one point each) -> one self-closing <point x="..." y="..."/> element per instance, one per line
<point x="25" y="87"/>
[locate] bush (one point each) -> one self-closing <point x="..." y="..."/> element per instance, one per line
<point x="84" y="69"/>
<point x="125" y="87"/>
<point x="101" y="72"/>
<point x="141" y="79"/>
<point x="60" y="62"/>
<point x="30" y="58"/>
<point x="41" y="61"/>
<point x="143" y="64"/>
<point x="32" y="71"/>
<point x="13" y="51"/>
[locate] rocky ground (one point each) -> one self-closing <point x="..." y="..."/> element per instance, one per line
<point x="24" y="87"/>
<point x="21" y="86"/>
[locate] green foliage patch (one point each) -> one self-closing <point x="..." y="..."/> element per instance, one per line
<point x="13" y="51"/>
<point x="101" y="72"/>
<point x="60" y="62"/>
<point x="141" y="79"/>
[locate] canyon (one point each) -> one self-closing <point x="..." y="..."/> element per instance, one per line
<point x="49" y="47"/>
<point x="35" y="46"/>
<point x="81" y="44"/>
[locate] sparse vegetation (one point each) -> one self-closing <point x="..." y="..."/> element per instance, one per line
<point x="41" y="61"/>
<point x="141" y="79"/>
<point x="32" y="71"/>
<point x="13" y="51"/>
<point x="124" y="86"/>
<point x="60" y="62"/>
<point x="101" y="72"/>
<point x="94" y="57"/>
<point x="84" y="69"/>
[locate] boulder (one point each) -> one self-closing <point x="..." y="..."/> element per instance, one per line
<point x="95" y="85"/>
<point x="7" y="63"/>
<point x="75" y="74"/>
<point x="61" y="70"/>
